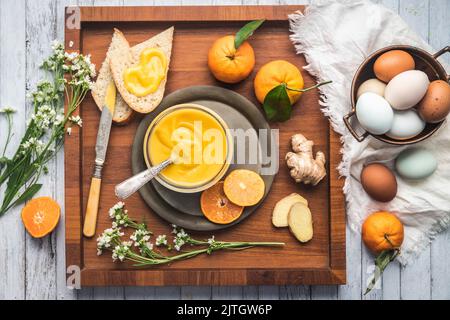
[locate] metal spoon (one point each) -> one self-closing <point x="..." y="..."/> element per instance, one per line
<point x="131" y="185"/>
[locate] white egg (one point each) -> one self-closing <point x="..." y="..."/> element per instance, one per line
<point x="371" y="85"/>
<point x="374" y="113"/>
<point x="406" y="89"/>
<point x="406" y="124"/>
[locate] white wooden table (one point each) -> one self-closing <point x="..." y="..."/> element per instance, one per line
<point x="35" y="269"/>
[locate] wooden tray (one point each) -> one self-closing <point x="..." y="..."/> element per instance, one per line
<point x="321" y="261"/>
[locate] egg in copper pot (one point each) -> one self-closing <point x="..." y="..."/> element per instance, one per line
<point x="407" y="124"/>
<point x="406" y="89"/>
<point x="372" y="85"/>
<point x="379" y="182"/>
<point x="392" y="63"/>
<point x="435" y="106"/>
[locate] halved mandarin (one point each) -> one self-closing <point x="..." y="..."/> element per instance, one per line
<point x="217" y="208"/>
<point x="40" y="216"/>
<point x="244" y="187"/>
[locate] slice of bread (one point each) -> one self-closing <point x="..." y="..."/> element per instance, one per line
<point x="126" y="57"/>
<point x="122" y="113"/>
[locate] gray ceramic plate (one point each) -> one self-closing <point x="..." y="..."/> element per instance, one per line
<point x="184" y="209"/>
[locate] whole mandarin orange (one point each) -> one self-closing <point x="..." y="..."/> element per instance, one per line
<point x="273" y="74"/>
<point x="382" y="231"/>
<point x="228" y="64"/>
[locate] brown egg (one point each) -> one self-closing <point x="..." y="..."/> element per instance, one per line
<point x="435" y="106"/>
<point x="379" y="182"/>
<point x="392" y="63"/>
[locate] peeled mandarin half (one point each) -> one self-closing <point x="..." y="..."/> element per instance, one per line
<point x="217" y="207"/>
<point x="40" y="216"/>
<point x="244" y="187"/>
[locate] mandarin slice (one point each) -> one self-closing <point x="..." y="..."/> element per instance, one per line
<point x="40" y="216"/>
<point x="244" y="187"/>
<point x="216" y="207"/>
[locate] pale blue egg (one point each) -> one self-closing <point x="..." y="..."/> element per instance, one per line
<point x="415" y="163"/>
<point x="374" y="113"/>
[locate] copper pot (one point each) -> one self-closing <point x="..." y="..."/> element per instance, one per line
<point x="425" y="62"/>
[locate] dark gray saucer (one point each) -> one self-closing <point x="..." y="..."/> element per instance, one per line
<point x="183" y="209"/>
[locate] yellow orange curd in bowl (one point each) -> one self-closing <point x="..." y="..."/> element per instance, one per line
<point x="197" y="142"/>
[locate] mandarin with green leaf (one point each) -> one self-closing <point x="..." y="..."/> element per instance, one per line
<point x="277" y="72"/>
<point x="229" y="64"/>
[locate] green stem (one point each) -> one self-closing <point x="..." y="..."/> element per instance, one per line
<point x="8" y="136"/>
<point x="310" y="88"/>
<point x="190" y="254"/>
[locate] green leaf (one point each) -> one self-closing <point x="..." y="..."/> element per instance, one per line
<point x="246" y="31"/>
<point x="381" y="262"/>
<point x="28" y="193"/>
<point x="277" y="104"/>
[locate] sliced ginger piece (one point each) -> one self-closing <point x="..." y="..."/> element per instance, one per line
<point x="40" y="216"/>
<point x="281" y="210"/>
<point x="244" y="187"/>
<point x="217" y="208"/>
<point x="300" y="222"/>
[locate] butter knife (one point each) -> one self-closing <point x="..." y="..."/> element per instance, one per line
<point x="104" y="128"/>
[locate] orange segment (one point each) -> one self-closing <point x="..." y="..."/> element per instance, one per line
<point x="244" y="187"/>
<point x="40" y="216"/>
<point x="217" y="208"/>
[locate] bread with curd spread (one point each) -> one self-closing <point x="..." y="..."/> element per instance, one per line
<point x="126" y="57"/>
<point x="122" y="112"/>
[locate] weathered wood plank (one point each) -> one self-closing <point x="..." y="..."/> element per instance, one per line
<point x="352" y="290"/>
<point x="295" y="293"/>
<point x="439" y="13"/>
<point x="227" y="293"/>
<point x="269" y="292"/>
<point x="324" y="292"/>
<point x="62" y="292"/>
<point x="40" y="253"/>
<point x="415" y="278"/>
<point x="390" y="283"/>
<point x="84" y="293"/>
<point x="12" y="93"/>
<point x="196" y="293"/>
<point x="367" y="268"/>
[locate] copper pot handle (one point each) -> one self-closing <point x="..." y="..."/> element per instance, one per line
<point x="358" y="137"/>
<point x="441" y="52"/>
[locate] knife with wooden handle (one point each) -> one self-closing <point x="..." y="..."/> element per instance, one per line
<point x="104" y="128"/>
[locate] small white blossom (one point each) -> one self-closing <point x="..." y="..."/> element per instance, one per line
<point x="7" y="110"/>
<point x="59" y="119"/>
<point x="211" y="240"/>
<point x="107" y="238"/>
<point x="32" y="144"/>
<point x="161" y="240"/>
<point x="76" y="120"/>
<point x="69" y="131"/>
<point x="121" y="251"/>
<point x="140" y="237"/>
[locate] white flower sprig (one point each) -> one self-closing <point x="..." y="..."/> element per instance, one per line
<point x="148" y="255"/>
<point x="69" y="77"/>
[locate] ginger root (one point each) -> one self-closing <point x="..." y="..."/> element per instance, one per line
<point x="304" y="168"/>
